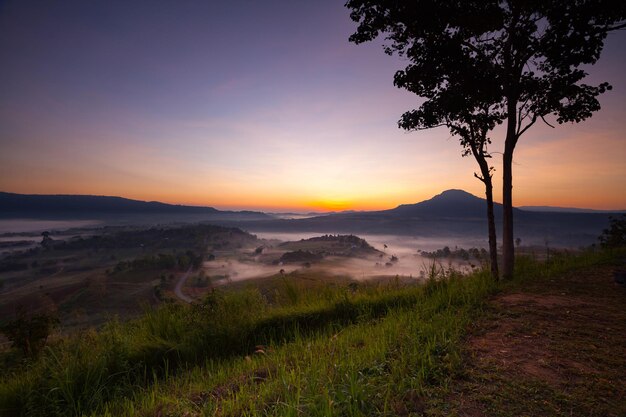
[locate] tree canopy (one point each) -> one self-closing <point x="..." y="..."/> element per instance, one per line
<point x="469" y="59"/>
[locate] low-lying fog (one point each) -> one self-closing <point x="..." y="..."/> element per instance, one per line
<point x="395" y="244"/>
<point x="410" y="263"/>
<point x="224" y="270"/>
<point x="36" y="225"/>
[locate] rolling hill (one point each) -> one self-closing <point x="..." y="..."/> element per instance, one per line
<point x="91" y="206"/>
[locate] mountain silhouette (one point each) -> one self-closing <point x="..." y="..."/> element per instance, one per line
<point x="453" y="213"/>
<point x="450" y="203"/>
<point x="41" y="206"/>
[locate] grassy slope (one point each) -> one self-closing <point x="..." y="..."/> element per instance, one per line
<point x="373" y="351"/>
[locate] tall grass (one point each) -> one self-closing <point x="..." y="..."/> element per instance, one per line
<point x="360" y="367"/>
<point x="351" y="350"/>
<point x="528" y="268"/>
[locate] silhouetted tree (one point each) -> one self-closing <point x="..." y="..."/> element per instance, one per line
<point x="29" y="333"/>
<point x="615" y="235"/>
<point x="472" y="127"/>
<point x="46" y="242"/>
<point x="487" y="62"/>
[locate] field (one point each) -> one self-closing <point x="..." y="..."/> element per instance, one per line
<point x="100" y="273"/>
<point x="89" y="276"/>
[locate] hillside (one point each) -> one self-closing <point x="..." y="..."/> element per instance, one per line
<point x="110" y="271"/>
<point x="538" y="346"/>
<point x="567" y="209"/>
<point x="90" y="206"/>
<point x="544" y="348"/>
<point x="450" y="203"/>
<point x="333" y="245"/>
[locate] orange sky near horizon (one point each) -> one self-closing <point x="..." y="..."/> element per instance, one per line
<point x="578" y="166"/>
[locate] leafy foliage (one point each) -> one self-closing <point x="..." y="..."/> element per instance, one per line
<point x="471" y="59"/>
<point x="615" y="235"/>
<point x="161" y="261"/>
<point x="29" y="333"/>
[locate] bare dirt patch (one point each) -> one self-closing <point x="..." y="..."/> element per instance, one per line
<point x="542" y="300"/>
<point x="554" y="348"/>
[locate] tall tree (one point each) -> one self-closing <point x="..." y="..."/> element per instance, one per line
<point x="509" y="61"/>
<point x="471" y="126"/>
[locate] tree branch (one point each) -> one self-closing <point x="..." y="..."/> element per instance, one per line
<point x="616" y="27"/>
<point x="546" y="122"/>
<point x="532" y="122"/>
<point x="479" y="177"/>
<point x="431" y="127"/>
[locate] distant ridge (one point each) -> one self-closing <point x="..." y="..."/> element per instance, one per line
<point x="450" y="203"/>
<point x="12" y="205"/>
<point x="452" y="214"/>
<point x="551" y="209"/>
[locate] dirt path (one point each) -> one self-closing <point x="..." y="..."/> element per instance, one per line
<point x="178" y="290"/>
<point x="555" y="348"/>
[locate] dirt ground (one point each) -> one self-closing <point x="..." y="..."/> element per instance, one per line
<point x="556" y="347"/>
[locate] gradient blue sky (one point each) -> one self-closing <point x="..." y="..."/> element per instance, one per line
<point x="250" y="104"/>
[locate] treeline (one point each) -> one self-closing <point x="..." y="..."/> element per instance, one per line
<point x="345" y="239"/>
<point x="195" y="236"/>
<point x="464" y="254"/>
<point x="300" y="256"/>
<point x="12" y="265"/>
<point x="181" y="260"/>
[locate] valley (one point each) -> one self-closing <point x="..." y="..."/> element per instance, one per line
<point x="88" y="271"/>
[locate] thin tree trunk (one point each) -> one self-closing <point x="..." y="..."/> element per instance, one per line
<point x="508" y="249"/>
<point x="491" y="221"/>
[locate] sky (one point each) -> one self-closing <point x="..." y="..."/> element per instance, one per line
<point x="246" y="104"/>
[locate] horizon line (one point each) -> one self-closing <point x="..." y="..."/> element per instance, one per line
<point x="304" y="211"/>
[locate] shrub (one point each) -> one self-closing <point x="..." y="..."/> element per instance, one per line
<point x="29" y="334"/>
<point x="615" y="235"/>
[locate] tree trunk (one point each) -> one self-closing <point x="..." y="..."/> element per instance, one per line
<point x="491" y="221"/>
<point x="508" y="249"/>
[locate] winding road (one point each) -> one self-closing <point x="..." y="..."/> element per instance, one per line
<point x="178" y="290"/>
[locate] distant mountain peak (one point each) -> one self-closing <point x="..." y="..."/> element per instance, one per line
<point x="449" y="203"/>
<point x="447" y="197"/>
<point x="454" y="194"/>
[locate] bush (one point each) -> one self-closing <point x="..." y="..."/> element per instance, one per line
<point x="615" y="235"/>
<point x="29" y="334"/>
